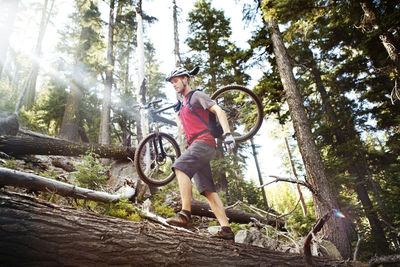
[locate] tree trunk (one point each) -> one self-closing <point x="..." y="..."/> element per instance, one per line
<point x="178" y="63"/>
<point x="294" y="172"/>
<point x="69" y="129"/>
<point x="104" y="134"/>
<point x="71" y="119"/>
<point x="358" y="168"/>
<point x="34" y="72"/>
<point x="9" y="10"/>
<point x="253" y="147"/>
<point x="37" y="233"/>
<point x="8" y="123"/>
<point x="141" y="87"/>
<point x="336" y="230"/>
<point x="178" y="59"/>
<point x="17" y="146"/>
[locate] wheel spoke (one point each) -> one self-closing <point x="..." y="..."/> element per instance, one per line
<point x="158" y="170"/>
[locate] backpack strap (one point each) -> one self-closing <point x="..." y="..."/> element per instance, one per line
<point x="197" y="135"/>
<point x="193" y="110"/>
<point x="197" y="114"/>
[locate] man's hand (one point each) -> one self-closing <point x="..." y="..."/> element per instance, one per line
<point x="177" y="106"/>
<point x="229" y="142"/>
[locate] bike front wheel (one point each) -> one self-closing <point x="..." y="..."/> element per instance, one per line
<point x="154" y="158"/>
<point x="243" y="109"/>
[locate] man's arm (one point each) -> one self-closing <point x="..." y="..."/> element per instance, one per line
<point x="221" y="115"/>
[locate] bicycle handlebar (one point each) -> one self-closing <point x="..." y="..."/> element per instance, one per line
<point x="148" y="105"/>
<point x="152" y="104"/>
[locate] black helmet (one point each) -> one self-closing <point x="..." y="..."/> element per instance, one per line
<point x="182" y="72"/>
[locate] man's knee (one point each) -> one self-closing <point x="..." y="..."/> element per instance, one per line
<point x="211" y="196"/>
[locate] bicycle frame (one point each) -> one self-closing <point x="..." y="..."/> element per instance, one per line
<point x="155" y="118"/>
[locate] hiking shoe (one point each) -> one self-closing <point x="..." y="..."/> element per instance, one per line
<point x="225" y="233"/>
<point x="182" y="219"/>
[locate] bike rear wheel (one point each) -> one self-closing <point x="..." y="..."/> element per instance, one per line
<point x="154" y="158"/>
<point x="243" y="109"/>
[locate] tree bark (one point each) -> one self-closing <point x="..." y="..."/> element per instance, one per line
<point x="178" y="59"/>
<point x="336" y="231"/>
<point x="141" y="87"/>
<point x="8" y="123"/>
<point x="17" y="146"/>
<point x="69" y="129"/>
<point x="104" y="134"/>
<point x="37" y="233"/>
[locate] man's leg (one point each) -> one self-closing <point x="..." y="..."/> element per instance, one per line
<point x="185" y="188"/>
<point x="182" y="219"/>
<point x="217" y="207"/>
<point x="219" y="211"/>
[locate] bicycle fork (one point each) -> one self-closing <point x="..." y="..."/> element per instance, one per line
<point x="158" y="139"/>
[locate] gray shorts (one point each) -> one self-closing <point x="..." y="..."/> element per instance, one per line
<point x="195" y="162"/>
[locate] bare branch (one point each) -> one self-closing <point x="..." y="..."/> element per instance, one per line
<point x="385" y="259"/>
<point x="317" y="227"/>
<point x="35" y="182"/>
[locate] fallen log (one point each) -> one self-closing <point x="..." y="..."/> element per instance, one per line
<point x="39" y="233"/>
<point x="39" y="183"/>
<point x="41" y="145"/>
<point x="201" y="208"/>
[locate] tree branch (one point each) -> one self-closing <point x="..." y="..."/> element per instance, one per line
<point x="35" y="182"/>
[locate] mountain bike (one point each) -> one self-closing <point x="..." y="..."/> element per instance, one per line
<point x="157" y="152"/>
<point x="243" y="109"/>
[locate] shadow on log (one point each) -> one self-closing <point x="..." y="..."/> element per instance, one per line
<point x="35" y="232"/>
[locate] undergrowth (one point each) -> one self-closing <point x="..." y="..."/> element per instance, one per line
<point x="91" y="173"/>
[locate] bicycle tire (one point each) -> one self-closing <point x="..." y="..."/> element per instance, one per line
<point x="236" y="117"/>
<point x="158" y="171"/>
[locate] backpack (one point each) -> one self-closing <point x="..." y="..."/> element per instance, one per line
<point x="213" y="126"/>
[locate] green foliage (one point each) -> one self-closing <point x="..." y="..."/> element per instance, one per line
<point x="283" y="198"/>
<point x="236" y="227"/>
<point x="159" y="207"/>
<point x="10" y="164"/>
<point x="30" y="119"/>
<point x="7" y="96"/>
<point x="219" y="59"/>
<point x="124" y="209"/>
<point x="91" y="173"/>
<point x="50" y="173"/>
<point x="49" y="106"/>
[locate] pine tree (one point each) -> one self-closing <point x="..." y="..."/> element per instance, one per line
<point x="86" y="58"/>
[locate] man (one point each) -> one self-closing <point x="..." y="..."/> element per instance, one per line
<point x="195" y="161"/>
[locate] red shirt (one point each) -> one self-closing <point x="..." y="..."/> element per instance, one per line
<point x="191" y="123"/>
